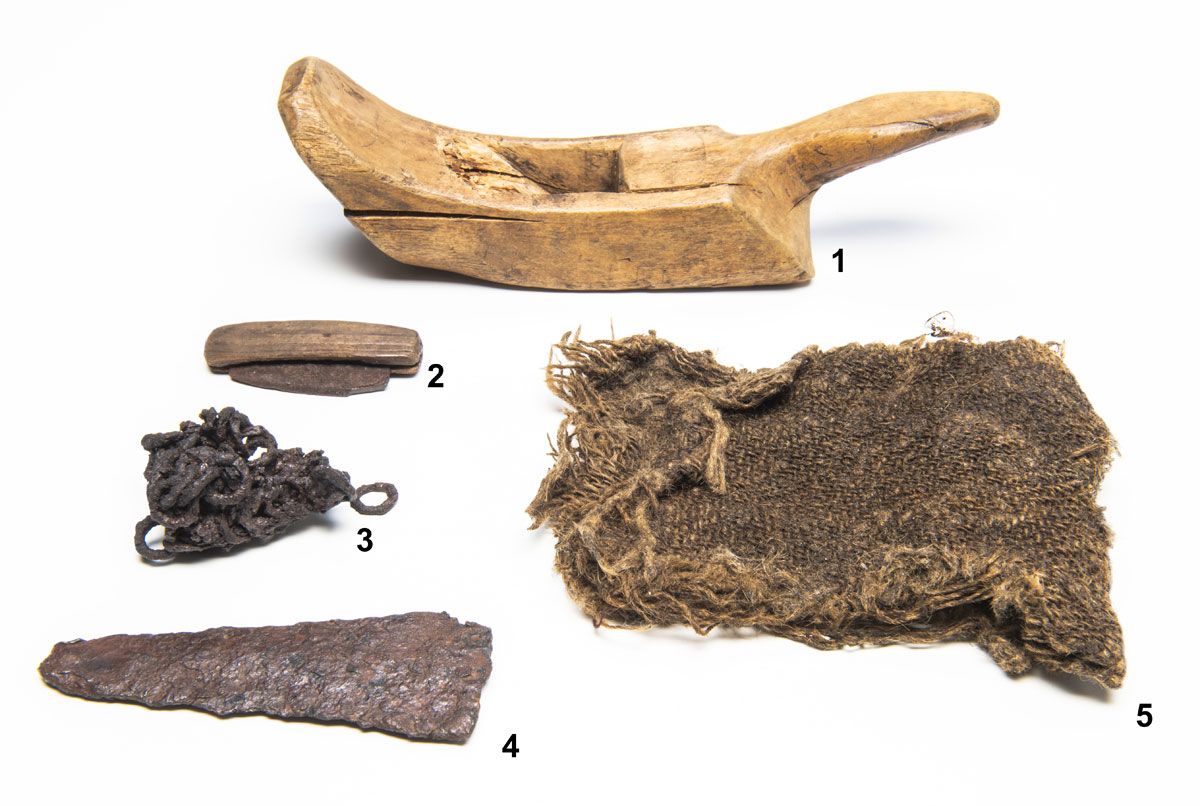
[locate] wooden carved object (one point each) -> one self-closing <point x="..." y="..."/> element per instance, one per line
<point x="314" y="357"/>
<point x="667" y="209"/>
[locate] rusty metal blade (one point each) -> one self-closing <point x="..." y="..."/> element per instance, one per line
<point x="316" y="378"/>
<point x="418" y="675"/>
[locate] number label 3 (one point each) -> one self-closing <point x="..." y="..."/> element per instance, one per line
<point x="365" y="534"/>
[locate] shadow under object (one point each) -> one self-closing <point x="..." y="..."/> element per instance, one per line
<point x="678" y="208"/>
<point x="870" y="494"/>
<point x="417" y="675"/>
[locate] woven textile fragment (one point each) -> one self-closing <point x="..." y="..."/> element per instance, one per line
<point x="870" y="494"/>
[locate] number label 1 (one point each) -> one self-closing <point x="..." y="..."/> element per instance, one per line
<point x="365" y="534"/>
<point x="436" y="383"/>
<point x="510" y="746"/>
<point x="838" y="255"/>
<point x="1144" y="714"/>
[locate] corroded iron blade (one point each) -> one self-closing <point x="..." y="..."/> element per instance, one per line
<point x="418" y="675"/>
<point x="317" y="378"/>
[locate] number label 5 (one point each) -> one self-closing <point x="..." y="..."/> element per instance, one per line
<point x="1144" y="715"/>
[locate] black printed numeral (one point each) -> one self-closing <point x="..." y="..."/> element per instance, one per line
<point x="838" y="255"/>
<point x="1144" y="715"/>
<point x="436" y="383"/>
<point x="365" y="534"/>
<point x="510" y="746"/>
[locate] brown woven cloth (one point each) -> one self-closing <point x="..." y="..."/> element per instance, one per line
<point x="870" y="494"/>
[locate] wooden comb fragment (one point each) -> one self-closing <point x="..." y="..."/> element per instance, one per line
<point x="314" y="357"/>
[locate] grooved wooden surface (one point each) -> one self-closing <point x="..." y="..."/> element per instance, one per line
<point x="312" y="340"/>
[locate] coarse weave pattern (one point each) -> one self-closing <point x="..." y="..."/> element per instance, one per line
<point x="870" y="494"/>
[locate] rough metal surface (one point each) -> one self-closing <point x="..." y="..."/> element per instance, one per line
<point x="418" y="675"/>
<point x="313" y="378"/>
<point x="224" y="481"/>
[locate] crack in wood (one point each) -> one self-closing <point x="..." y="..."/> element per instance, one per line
<point x="423" y="214"/>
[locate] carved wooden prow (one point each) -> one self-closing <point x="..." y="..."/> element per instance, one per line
<point x="668" y="209"/>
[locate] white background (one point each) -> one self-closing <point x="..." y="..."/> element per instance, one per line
<point x="151" y="194"/>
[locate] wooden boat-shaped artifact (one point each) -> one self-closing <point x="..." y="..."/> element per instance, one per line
<point x="667" y="209"/>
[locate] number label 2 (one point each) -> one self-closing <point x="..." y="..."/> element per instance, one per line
<point x="436" y="382"/>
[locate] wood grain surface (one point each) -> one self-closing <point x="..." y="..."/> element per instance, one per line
<point x="313" y="340"/>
